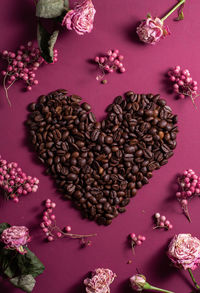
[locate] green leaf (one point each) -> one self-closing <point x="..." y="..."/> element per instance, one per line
<point x="13" y="264"/>
<point x="29" y="264"/>
<point x="180" y="16"/>
<point x="24" y="282"/>
<point x="3" y="226"/>
<point x="148" y="15"/>
<point x="46" y="42"/>
<point x="49" y="8"/>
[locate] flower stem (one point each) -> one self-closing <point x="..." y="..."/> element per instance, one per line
<point x="172" y="10"/>
<point x="147" y="286"/>
<point x="193" y="279"/>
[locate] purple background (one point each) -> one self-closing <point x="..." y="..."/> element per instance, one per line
<point x="115" y="22"/>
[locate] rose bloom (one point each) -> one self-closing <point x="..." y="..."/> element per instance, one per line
<point x="184" y="251"/>
<point x="81" y="18"/>
<point x="138" y="282"/>
<point x="16" y="237"/>
<point x="100" y="281"/>
<point x="151" y="30"/>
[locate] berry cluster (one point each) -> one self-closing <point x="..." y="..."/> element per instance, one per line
<point x="14" y="181"/>
<point x="136" y="240"/>
<point x="189" y="185"/>
<point x="162" y="222"/>
<point x="52" y="231"/>
<point x="22" y="65"/>
<point x="109" y="63"/>
<point x="183" y="84"/>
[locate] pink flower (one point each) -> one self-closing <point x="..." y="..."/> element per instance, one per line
<point x="184" y="251"/>
<point x="138" y="282"/>
<point x="16" y="237"/>
<point x="100" y="281"/>
<point x="151" y="30"/>
<point x="81" y="18"/>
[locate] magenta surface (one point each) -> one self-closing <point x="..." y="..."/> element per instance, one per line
<point x="115" y="22"/>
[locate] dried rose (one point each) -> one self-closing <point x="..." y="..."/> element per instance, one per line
<point x="16" y="237"/>
<point x="184" y="251"/>
<point x="81" y="18"/>
<point x="151" y="30"/>
<point x="100" y="281"/>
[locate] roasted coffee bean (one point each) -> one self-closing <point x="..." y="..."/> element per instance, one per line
<point x="101" y="165"/>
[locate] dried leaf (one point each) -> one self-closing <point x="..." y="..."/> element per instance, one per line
<point x="46" y="42"/>
<point x="49" y="8"/>
<point x="24" y="282"/>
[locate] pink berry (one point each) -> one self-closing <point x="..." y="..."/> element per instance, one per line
<point x="96" y="59"/>
<point x="172" y="78"/>
<point x="53" y="205"/>
<point x="53" y="217"/>
<point x="109" y="53"/>
<point x="138" y="242"/>
<point x="68" y="228"/>
<point x="50" y="238"/>
<point x="167" y="223"/>
<point x="111" y="58"/>
<point x="102" y="59"/>
<point x="29" y="88"/>
<point x="122" y="69"/>
<point x="170" y="226"/>
<point x="132" y="235"/>
<point x="163" y="218"/>
<point x="184" y="202"/>
<point x="116" y="51"/>
<point x="59" y="234"/>
<point x="16" y="199"/>
<point x="162" y="224"/>
<point x="121" y="57"/>
<point x="157" y="215"/>
<point x="114" y="55"/>
<point x="182" y="96"/>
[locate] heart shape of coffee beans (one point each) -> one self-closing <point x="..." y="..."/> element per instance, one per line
<point x="101" y="165"/>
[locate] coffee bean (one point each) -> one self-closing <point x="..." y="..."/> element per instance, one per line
<point x="101" y="165"/>
<point x="86" y="106"/>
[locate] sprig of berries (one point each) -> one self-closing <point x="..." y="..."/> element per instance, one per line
<point x="22" y="64"/>
<point x="189" y="186"/>
<point x="15" y="182"/>
<point x="108" y="63"/>
<point x="162" y="222"/>
<point x="183" y="84"/>
<point x="136" y="240"/>
<point x="52" y="231"/>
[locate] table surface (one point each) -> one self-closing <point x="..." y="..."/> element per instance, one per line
<point x="115" y="23"/>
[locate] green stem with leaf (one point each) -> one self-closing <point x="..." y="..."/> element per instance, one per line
<point x="172" y="10"/>
<point x="147" y="286"/>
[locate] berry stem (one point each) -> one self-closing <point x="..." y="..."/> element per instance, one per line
<point x="172" y="10"/>
<point x="78" y="235"/>
<point x="186" y="212"/>
<point x="6" y="89"/>
<point x="193" y="279"/>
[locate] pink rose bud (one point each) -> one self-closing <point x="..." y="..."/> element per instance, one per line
<point x="152" y="30"/>
<point x="138" y="282"/>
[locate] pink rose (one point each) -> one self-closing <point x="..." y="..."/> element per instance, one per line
<point x="151" y="30"/>
<point x="100" y="281"/>
<point x="184" y="251"/>
<point x="138" y="282"/>
<point x="16" y="237"/>
<point x="81" y="18"/>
